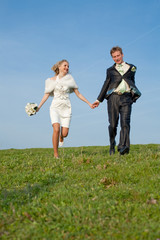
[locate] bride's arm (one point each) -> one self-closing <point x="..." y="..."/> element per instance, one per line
<point x="80" y="96"/>
<point x="44" y="99"/>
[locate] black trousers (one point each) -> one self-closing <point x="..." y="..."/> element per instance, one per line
<point x="119" y="106"/>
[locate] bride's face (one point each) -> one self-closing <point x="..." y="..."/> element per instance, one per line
<point x="64" y="68"/>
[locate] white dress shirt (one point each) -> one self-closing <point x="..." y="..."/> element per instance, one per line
<point x="123" y="86"/>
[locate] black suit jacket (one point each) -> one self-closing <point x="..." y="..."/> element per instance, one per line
<point x="114" y="78"/>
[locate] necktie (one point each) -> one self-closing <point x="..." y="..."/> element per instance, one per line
<point x="122" y="85"/>
<point x="120" y="69"/>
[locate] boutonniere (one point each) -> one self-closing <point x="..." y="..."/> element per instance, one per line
<point x="133" y="69"/>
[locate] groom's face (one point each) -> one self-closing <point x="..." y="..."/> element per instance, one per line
<point x="117" y="57"/>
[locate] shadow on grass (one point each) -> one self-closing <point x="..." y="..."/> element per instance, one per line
<point x="95" y="150"/>
<point x="25" y="195"/>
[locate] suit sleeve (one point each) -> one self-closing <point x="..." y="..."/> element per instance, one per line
<point x="133" y="78"/>
<point x="104" y="89"/>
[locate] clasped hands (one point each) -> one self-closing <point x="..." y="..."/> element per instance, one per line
<point x="95" y="104"/>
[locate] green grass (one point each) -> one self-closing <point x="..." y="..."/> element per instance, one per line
<point x="86" y="194"/>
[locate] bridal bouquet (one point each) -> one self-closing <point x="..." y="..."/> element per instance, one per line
<point x="31" y="108"/>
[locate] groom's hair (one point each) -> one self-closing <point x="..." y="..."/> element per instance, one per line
<point x="114" y="49"/>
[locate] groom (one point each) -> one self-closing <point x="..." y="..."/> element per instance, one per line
<point x="120" y="91"/>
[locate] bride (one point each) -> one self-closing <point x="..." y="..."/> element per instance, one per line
<point x="59" y="87"/>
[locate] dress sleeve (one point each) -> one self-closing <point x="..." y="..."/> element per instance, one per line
<point x="49" y="86"/>
<point x="73" y="85"/>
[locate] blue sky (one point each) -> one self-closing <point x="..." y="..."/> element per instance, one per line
<point x="35" y="34"/>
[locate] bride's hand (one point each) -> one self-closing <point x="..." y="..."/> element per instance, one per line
<point x="91" y="105"/>
<point x="37" y="110"/>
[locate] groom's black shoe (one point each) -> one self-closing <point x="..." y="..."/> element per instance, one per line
<point x="112" y="148"/>
<point x="124" y="150"/>
<point x="111" y="151"/>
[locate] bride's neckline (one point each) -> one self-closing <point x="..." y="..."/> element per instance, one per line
<point x="57" y="78"/>
<point x="61" y="76"/>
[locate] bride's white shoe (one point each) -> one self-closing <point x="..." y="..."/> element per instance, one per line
<point x="61" y="144"/>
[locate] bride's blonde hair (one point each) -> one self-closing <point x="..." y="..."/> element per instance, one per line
<point x="55" y="67"/>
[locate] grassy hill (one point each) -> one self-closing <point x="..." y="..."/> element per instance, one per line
<point x="86" y="194"/>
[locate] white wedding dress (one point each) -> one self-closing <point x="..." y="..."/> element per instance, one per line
<point x="60" y="109"/>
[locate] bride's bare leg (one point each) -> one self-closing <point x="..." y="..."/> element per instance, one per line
<point x="63" y="133"/>
<point x="55" y="138"/>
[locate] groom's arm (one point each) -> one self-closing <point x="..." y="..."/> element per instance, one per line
<point x="103" y="91"/>
<point x="104" y="88"/>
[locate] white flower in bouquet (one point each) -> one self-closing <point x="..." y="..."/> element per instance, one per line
<point x="31" y="108"/>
